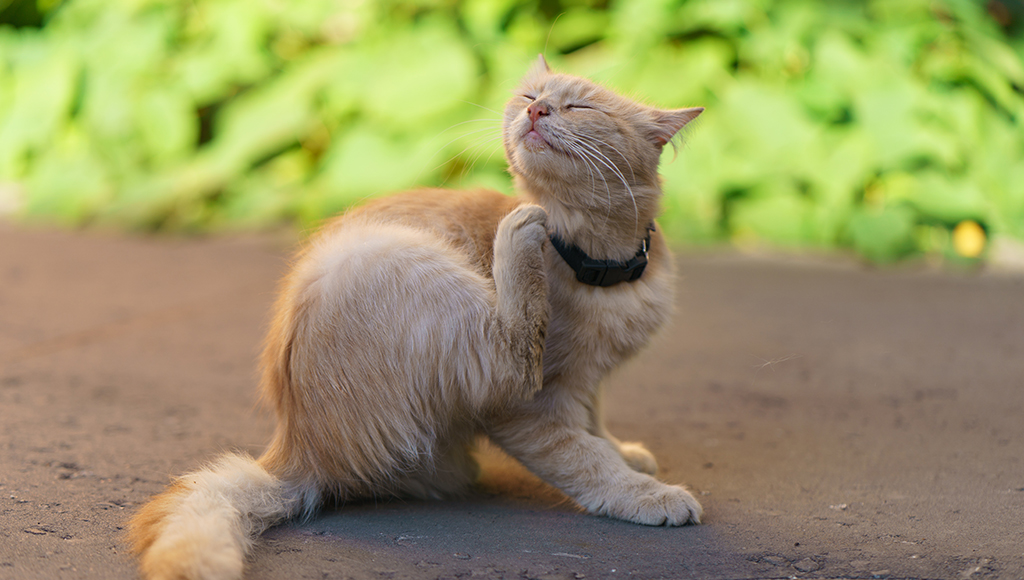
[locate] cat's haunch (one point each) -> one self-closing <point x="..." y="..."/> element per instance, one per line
<point x="413" y="324"/>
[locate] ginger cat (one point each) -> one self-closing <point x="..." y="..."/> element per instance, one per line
<point x="414" y="323"/>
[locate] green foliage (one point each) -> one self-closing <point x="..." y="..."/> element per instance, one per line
<point x="874" y="125"/>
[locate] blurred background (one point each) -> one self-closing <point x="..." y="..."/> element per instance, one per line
<point x="892" y="129"/>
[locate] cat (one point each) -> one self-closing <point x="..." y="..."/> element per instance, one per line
<point x="412" y="324"/>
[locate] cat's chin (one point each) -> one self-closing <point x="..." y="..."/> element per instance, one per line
<point x="534" y="142"/>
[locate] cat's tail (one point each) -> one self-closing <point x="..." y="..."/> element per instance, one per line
<point x="202" y="527"/>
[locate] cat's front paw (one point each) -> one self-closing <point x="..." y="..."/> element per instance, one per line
<point x="655" y="504"/>
<point x="638" y="458"/>
<point x="672" y="505"/>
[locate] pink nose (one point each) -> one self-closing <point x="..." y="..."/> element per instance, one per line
<point x="536" y="111"/>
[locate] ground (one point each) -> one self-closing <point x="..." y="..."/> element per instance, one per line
<point x="835" y="421"/>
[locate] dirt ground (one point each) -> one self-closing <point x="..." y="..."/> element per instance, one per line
<point x="836" y="422"/>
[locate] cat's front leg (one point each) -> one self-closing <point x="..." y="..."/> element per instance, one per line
<point x="590" y="469"/>
<point x="522" y="308"/>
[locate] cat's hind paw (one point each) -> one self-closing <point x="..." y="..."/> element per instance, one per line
<point x="638" y="458"/>
<point x="528" y="223"/>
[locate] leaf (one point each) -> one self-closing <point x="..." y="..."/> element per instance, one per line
<point x="226" y="49"/>
<point x="40" y="100"/>
<point x="415" y="74"/>
<point x="767" y="132"/>
<point x="775" y="213"/>
<point x="637" y="25"/>
<point x="883" y="236"/>
<point x="575" y="28"/>
<point x="365" y="162"/>
<point x="695" y="179"/>
<point x="729" y="17"/>
<point x="1000" y="56"/>
<point x="265" y="197"/>
<point x="67" y="182"/>
<point x="697" y="68"/>
<point x="275" y="115"/>
<point x="889" y="117"/>
<point x="937" y="198"/>
<point x="484" y="18"/>
<point x="167" y="125"/>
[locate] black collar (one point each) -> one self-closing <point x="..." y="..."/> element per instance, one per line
<point x="604" y="273"/>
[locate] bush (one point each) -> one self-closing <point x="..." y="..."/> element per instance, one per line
<point x="880" y="126"/>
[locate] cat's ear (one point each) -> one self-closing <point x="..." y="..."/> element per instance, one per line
<point x="540" y="67"/>
<point x="668" y="123"/>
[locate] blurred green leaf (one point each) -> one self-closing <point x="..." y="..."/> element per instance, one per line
<point x="940" y="199"/>
<point x="167" y="125"/>
<point x="67" y="182"/>
<point x="265" y="197"/>
<point x="883" y="236"/>
<point x="366" y="162"/>
<point x="273" y="116"/>
<point x="877" y="126"/>
<point x="576" y="28"/>
<point x="779" y="219"/>
<point x="415" y="74"/>
<point x="39" y="100"/>
<point x="227" y="48"/>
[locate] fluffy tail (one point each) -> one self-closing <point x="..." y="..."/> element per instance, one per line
<point x="202" y="527"/>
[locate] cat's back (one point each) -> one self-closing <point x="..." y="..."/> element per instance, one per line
<point x="466" y="220"/>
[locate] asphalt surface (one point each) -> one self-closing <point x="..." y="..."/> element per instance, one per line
<point x="835" y="422"/>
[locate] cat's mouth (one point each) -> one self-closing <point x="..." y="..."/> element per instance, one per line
<point x="534" y="141"/>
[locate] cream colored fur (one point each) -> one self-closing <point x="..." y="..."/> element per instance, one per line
<point x="411" y="325"/>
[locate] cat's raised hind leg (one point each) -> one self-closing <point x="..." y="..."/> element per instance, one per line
<point x="520" y="284"/>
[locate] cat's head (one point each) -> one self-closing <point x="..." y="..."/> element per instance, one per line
<point x="561" y="129"/>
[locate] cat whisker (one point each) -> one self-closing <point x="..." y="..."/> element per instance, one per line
<point x="487" y="139"/>
<point x="478" y="141"/>
<point x="480" y="147"/>
<point x="596" y="142"/>
<point x="572" y="157"/>
<point x="609" y="202"/>
<point x="442" y="148"/>
<point x="469" y="121"/>
<point x="592" y="169"/>
<point x="500" y="115"/>
<point x="493" y="150"/>
<point x="604" y="160"/>
<point x="445" y="146"/>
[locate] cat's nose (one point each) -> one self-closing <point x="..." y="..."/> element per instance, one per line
<point x="537" y="110"/>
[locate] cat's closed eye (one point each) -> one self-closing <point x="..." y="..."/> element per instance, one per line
<point x="572" y="106"/>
